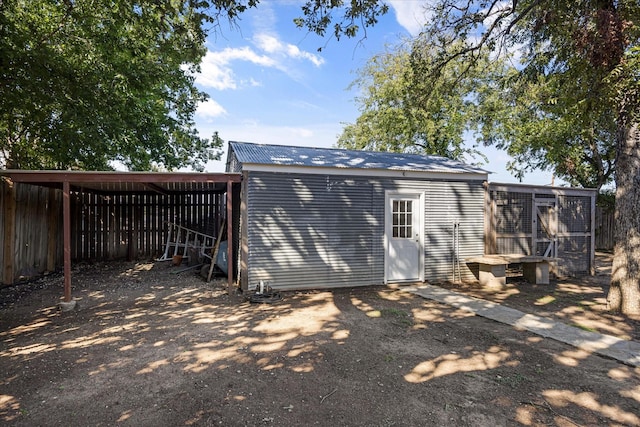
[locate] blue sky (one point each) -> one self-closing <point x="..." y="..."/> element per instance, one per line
<point x="269" y="84"/>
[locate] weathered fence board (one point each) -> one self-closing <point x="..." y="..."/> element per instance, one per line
<point x="134" y="225"/>
<point x="31" y="229"/>
<point x="604" y="229"/>
<point x="103" y="226"/>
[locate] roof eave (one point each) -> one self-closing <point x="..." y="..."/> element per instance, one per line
<point x="388" y="173"/>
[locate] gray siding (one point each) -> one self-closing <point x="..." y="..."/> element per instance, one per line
<point x="446" y="204"/>
<point x="310" y="231"/>
<point x="323" y="231"/>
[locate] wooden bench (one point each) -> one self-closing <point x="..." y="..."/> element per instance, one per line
<point x="492" y="268"/>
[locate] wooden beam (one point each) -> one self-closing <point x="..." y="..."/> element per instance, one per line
<point x="229" y="237"/>
<point x="155" y="188"/>
<point x="9" y="238"/>
<point x="66" y="225"/>
<point x="487" y="234"/>
<point x="214" y="253"/>
<point x="76" y="177"/>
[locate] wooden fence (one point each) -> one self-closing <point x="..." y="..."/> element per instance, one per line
<point x="103" y="226"/>
<point x="31" y="230"/>
<point x="134" y="226"/>
<point x="604" y="229"/>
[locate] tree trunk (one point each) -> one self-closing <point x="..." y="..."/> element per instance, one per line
<point x="624" y="293"/>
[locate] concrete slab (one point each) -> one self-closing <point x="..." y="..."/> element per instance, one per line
<point x="627" y="352"/>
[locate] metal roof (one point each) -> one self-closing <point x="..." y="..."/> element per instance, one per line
<point x="284" y="155"/>
<point x="126" y="182"/>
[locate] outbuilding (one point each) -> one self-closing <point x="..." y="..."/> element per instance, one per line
<point x="301" y="218"/>
<point x="323" y="218"/>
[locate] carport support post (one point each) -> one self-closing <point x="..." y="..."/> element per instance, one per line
<point x="66" y="225"/>
<point x="9" y="214"/>
<point x="229" y="239"/>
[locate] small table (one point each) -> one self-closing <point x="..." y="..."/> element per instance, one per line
<point x="492" y="268"/>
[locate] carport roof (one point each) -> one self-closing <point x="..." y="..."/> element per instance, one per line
<point x="283" y="155"/>
<point x="126" y="182"/>
<point x="123" y="182"/>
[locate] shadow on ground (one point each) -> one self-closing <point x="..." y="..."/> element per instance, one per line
<point x="149" y="347"/>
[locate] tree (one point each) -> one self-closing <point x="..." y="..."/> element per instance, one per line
<point x="402" y="112"/>
<point x="84" y="83"/>
<point x="593" y="41"/>
<point x="318" y="16"/>
<point x="549" y="123"/>
<point x="518" y="112"/>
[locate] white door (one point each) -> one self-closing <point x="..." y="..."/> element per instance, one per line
<point x="403" y="238"/>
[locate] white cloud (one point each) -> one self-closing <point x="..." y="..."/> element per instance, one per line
<point x="268" y="43"/>
<point x="295" y="52"/>
<point x="410" y="14"/>
<point x="217" y="67"/>
<point x="216" y="71"/>
<point x="210" y="109"/>
<point x="299" y="132"/>
<point x="273" y="45"/>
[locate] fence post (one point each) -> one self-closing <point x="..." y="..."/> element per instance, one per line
<point x="9" y="238"/>
<point x="66" y="225"/>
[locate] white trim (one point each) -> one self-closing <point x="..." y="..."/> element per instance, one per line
<point x="386" y="173"/>
<point x="388" y="194"/>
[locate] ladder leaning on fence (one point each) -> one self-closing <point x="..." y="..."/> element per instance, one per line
<point x="181" y="239"/>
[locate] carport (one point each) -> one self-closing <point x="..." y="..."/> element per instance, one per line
<point x="34" y="201"/>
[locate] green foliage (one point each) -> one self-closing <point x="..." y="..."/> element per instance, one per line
<point x="565" y="109"/>
<point x="554" y="123"/>
<point x="570" y="51"/>
<point x="606" y="200"/>
<point x="545" y="81"/>
<point x="572" y="101"/>
<point x="92" y="81"/>
<point x="403" y="112"/>
<point x="85" y="83"/>
<point x="625" y="82"/>
<point x="318" y="16"/>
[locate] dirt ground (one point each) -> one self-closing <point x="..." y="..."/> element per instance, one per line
<point x="150" y="347"/>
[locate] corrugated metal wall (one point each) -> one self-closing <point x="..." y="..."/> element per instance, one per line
<point x="322" y="231"/>
<point x="233" y="166"/>
<point x="309" y="231"/>
<point x="447" y="204"/>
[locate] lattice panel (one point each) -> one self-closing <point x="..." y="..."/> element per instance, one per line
<point x="574" y="214"/>
<point x="513" y="245"/>
<point x="513" y="212"/>
<point x="574" y="252"/>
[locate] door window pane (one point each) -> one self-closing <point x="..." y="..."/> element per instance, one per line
<point x="402" y="226"/>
